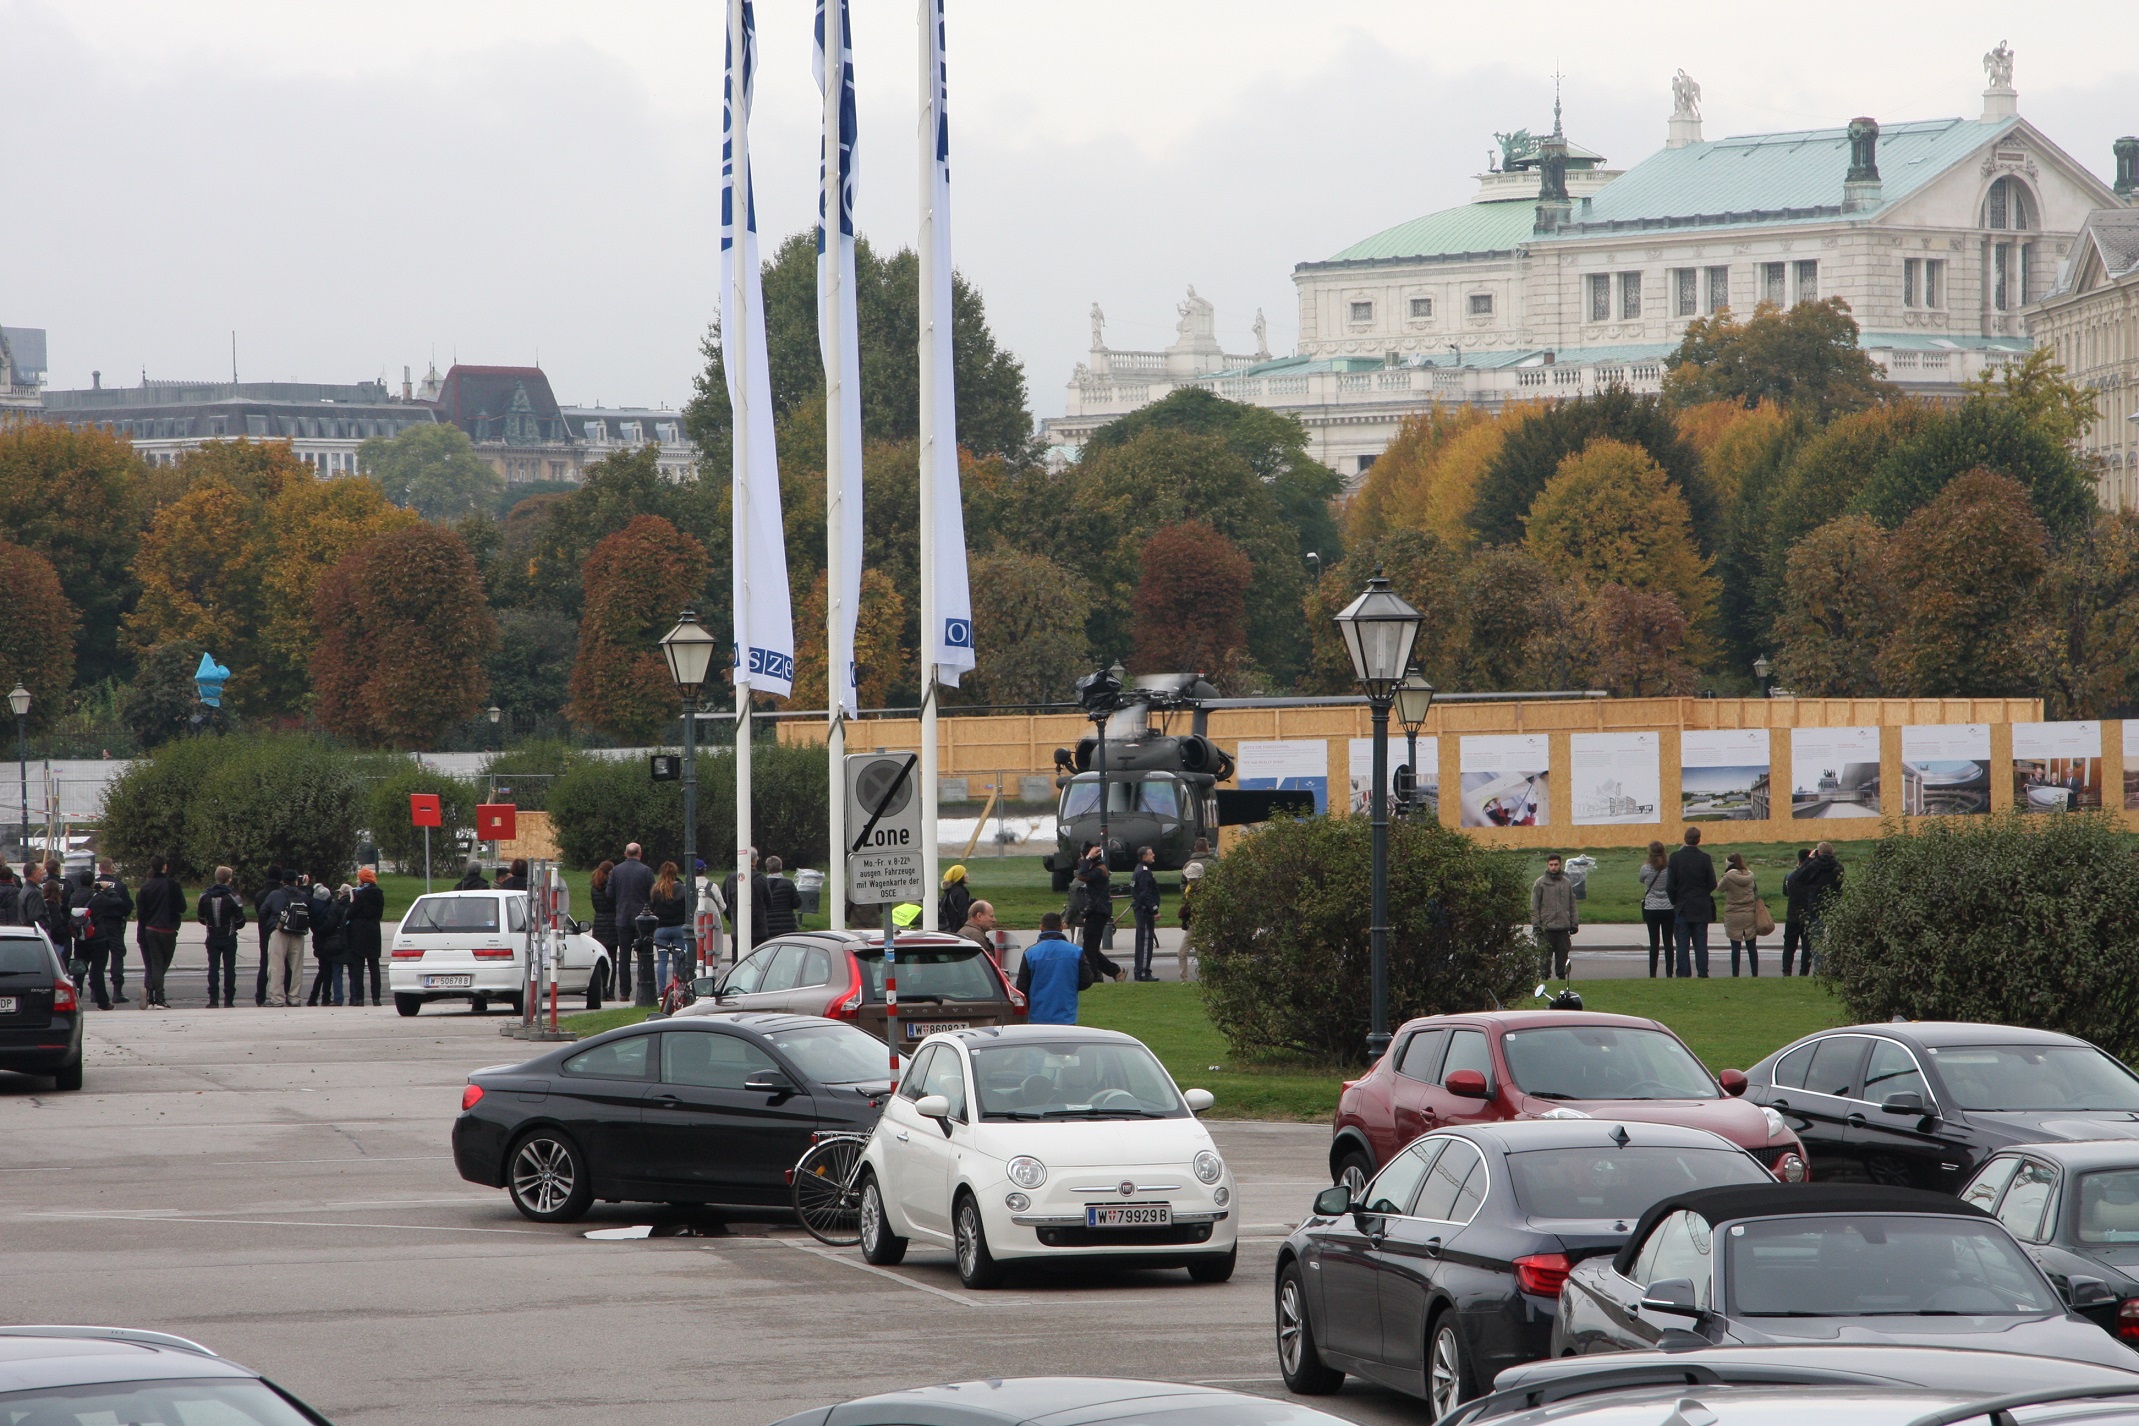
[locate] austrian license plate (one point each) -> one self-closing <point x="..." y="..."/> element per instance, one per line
<point x="1128" y="1215"/>
<point x="448" y="982"/>
<point x="9" y="1005"/>
<point x="921" y="1030"/>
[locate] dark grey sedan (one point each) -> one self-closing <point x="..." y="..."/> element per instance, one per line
<point x="2075" y="1208"/>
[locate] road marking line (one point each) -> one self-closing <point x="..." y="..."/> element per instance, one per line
<point x="888" y="1276"/>
<point x="285" y="1223"/>
<point x="358" y="1159"/>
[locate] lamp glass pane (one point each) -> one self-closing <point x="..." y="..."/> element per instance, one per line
<point x="689" y="652"/>
<point x="19" y="700"/>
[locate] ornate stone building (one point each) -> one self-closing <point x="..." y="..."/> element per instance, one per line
<point x="22" y="367"/>
<point x="2091" y="320"/>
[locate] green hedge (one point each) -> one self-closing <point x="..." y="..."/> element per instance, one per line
<point x="531" y="770"/>
<point x="1281" y="926"/>
<point x="400" y="841"/>
<point x="2012" y="920"/>
<point x="600" y="804"/>
<point x="244" y="801"/>
<point x="147" y="807"/>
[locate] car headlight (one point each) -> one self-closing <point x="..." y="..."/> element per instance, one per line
<point x="1026" y="1171"/>
<point x="1209" y="1167"/>
<point x="1776" y="1127"/>
<point x="1016" y="1202"/>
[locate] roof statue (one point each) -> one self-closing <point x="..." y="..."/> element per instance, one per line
<point x="1198" y="319"/>
<point x="1517" y="150"/>
<point x="1685" y="96"/>
<point x="1099" y="328"/>
<point x="1998" y="66"/>
<point x="1261" y="329"/>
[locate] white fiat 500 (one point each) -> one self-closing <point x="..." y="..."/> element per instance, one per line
<point x="1045" y="1141"/>
<point x="472" y="946"/>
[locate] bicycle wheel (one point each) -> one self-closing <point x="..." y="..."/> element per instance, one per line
<point x="826" y="1199"/>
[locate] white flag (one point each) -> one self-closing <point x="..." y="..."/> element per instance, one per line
<point x="948" y="647"/>
<point x="764" y="627"/>
<point x="835" y="264"/>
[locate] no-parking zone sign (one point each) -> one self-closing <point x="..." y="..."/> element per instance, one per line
<point x="884" y="864"/>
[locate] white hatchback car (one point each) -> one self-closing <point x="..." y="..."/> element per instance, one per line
<point x="472" y="946"/>
<point x="1046" y="1141"/>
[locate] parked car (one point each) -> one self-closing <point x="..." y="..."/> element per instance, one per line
<point x="945" y="982"/>
<point x="1447" y="1268"/>
<point x="1031" y="1142"/>
<point x="1824" y="1262"/>
<point x="472" y="946"/>
<point x="1445" y="1070"/>
<point x="1063" y="1401"/>
<point x="40" y="1013"/>
<point x="709" y="1110"/>
<point x="91" y="1374"/>
<point x="1863" y="1385"/>
<point x="1923" y="1104"/>
<point x="2075" y="1208"/>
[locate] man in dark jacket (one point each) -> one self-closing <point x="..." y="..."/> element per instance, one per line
<point x="1144" y="902"/>
<point x="630" y="882"/>
<point x="329" y="942"/>
<point x="1096" y="885"/>
<point x="1793" y="930"/>
<point x="108" y="907"/>
<point x="269" y="888"/>
<point x="760" y="902"/>
<point x="108" y="870"/>
<point x="285" y="946"/>
<point x="472" y="879"/>
<point x="1819" y="881"/>
<point x="1693" y="902"/>
<point x="783" y="901"/>
<point x="367" y="906"/>
<point x="11" y="896"/>
<point x="222" y="912"/>
<point x="160" y="911"/>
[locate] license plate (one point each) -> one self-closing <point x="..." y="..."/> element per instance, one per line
<point x="448" y="982"/>
<point x="915" y="1031"/>
<point x="8" y="1005"/>
<point x="1128" y="1215"/>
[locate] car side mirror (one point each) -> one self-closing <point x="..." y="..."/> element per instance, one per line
<point x="2089" y="1292"/>
<point x="769" y="1082"/>
<point x="1198" y="1100"/>
<point x="933" y="1106"/>
<point x="1670" y="1295"/>
<point x="1333" y="1202"/>
<point x="1733" y="1082"/>
<point x="1467" y="1084"/>
<point x="1906" y="1101"/>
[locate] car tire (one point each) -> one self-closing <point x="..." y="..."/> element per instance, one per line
<point x="478" y="1005"/>
<point x="407" y="1004"/>
<point x="1217" y="1267"/>
<point x="1354" y="1171"/>
<point x="68" y="1076"/>
<point x="1297" y="1357"/>
<point x="598" y="984"/>
<point x="546" y="1176"/>
<point x="1448" y="1367"/>
<point x="880" y="1245"/>
<point x="977" y="1267"/>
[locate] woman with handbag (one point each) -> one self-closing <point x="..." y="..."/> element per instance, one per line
<point x="1657" y="910"/>
<point x="1743" y="911"/>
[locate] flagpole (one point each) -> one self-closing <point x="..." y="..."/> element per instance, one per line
<point x="927" y="266"/>
<point x="739" y="289"/>
<point x="838" y="658"/>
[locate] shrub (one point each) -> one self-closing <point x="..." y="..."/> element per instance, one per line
<point x="2011" y="920"/>
<point x="530" y="770"/>
<point x="601" y="803"/>
<point x="147" y="807"/>
<point x="386" y="815"/>
<point x="287" y="801"/>
<point x="1281" y="926"/>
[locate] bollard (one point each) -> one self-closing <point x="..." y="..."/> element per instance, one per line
<point x="644" y="993"/>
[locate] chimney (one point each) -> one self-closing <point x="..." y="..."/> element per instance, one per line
<point x="96" y="381"/>
<point x="1860" y="188"/>
<point x="2127" y="151"/>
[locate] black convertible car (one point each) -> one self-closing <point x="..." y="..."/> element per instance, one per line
<point x="2075" y="1208"/>
<point x="1922" y="1105"/>
<point x="1823" y="1263"/>
<point x="709" y="1110"/>
<point x="1448" y="1268"/>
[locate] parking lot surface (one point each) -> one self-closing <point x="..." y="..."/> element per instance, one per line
<point x="278" y="1185"/>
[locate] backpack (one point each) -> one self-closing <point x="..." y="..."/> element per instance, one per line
<point x="297" y="914"/>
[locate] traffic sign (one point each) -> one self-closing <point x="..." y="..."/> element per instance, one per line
<point x="496" y="821"/>
<point x="424" y="810"/>
<point x="884" y="865"/>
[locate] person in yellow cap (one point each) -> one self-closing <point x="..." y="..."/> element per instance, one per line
<point x="956" y="900"/>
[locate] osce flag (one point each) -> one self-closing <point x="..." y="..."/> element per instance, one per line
<point x="949" y="646"/>
<point x="835" y="271"/>
<point x="764" y="627"/>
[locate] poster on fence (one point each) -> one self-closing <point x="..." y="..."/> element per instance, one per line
<point x="1945" y="769"/>
<point x="1361" y="756"/>
<point x="2057" y="767"/>
<point x="1506" y="780"/>
<point x="1834" y="772"/>
<point x="1723" y="775"/>
<point x="1616" y="778"/>
<point x="1286" y="765"/>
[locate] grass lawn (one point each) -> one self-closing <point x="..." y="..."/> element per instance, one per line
<point x="1613" y="892"/>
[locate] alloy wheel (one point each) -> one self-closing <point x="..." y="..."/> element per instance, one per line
<point x="872" y="1224"/>
<point x="1444" y="1386"/>
<point x="967" y="1236"/>
<point x="1290" y="1325"/>
<point x="1354" y="1179"/>
<point x="542" y="1175"/>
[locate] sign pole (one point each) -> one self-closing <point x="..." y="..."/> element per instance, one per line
<point x="426" y="861"/>
<point x="891" y="991"/>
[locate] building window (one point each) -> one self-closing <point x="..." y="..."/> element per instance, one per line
<point x="1421" y="308"/>
<point x="670" y="436"/>
<point x="1481" y="304"/>
<point x="1362" y="311"/>
<point x="1600" y="297"/>
<point x="1808" y="281"/>
<point x="1934" y="282"/>
<point x="1911" y="281"/>
<point x="1629" y="295"/>
<point x="1719" y="288"/>
<point x="1686" y="292"/>
<point x="1771" y="283"/>
<point x="2027" y="274"/>
<point x="2009" y="206"/>
<point x="2001" y="258"/>
<point x="1365" y="464"/>
<point x="631" y="433"/>
<point x="597" y="434"/>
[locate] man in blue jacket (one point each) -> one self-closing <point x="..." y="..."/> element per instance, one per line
<point x="1051" y="973"/>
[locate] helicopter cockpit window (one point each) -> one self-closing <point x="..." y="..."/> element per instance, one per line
<point x="1158" y="797"/>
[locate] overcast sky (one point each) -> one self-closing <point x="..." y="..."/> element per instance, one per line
<point x="353" y="188"/>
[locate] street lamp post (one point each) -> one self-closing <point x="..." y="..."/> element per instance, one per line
<point x="19" y="700"/>
<point x="689" y="650"/>
<point x="1414" y="698"/>
<point x="1761" y="670"/>
<point x="1379" y="629"/>
<point x="495" y="713"/>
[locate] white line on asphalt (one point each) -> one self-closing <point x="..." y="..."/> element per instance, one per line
<point x="359" y="1159"/>
<point x="283" y="1223"/>
<point x="875" y="1271"/>
<point x="317" y="1208"/>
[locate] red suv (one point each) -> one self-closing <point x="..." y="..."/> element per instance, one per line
<point x="1543" y="1064"/>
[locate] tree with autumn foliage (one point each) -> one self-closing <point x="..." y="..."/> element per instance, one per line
<point x="1640" y="641"/>
<point x="1838" y="608"/>
<point x="37" y="630"/>
<point x="1029" y="614"/>
<point x="634" y="583"/>
<point x="404" y="639"/>
<point x="1964" y="568"/>
<point x="1806" y="357"/>
<point x="879" y="654"/>
<point x="70" y="493"/>
<point x="199" y="570"/>
<point x="1191" y="603"/>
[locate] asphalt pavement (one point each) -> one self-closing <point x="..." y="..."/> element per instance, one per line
<point x="278" y="1185"/>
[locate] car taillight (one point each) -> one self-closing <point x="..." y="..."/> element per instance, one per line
<point x="469" y="1095"/>
<point x="493" y="953"/>
<point x="63" y="997"/>
<point x="848" y="1002"/>
<point x="1790" y="1168"/>
<point x="1543" y="1274"/>
<point x="2128" y="1320"/>
<point x="408" y="953"/>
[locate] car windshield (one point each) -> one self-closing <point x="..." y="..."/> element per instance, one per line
<point x="933" y="973"/>
<point x="211" y="1401"/>
<point x="1159" y="796"/>
<point x="1604" y="1062"/>
<point x="451" y="915"/>
<point x="1880" y="1265"/>
<point x="2109" y="1206"/>
<point x="2024" y="1077"/>
<point x="834" y="1054"/>
<point x="1073" y="1081"/>
<point x="1620" y="1183"/>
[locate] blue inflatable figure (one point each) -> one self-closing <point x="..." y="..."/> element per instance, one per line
<point x="208" y="678"/>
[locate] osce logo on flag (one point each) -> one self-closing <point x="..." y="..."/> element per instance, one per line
<point x="958" y="633"/>
<point x="772" y="664"/>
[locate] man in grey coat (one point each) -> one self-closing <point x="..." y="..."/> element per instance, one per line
<point x="1693" y="900"/>
<point x="1557" y="918"/>
<point x="630" y="882"/>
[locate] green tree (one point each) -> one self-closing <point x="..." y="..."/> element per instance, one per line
<point x="73" y="495"/>
<point x="1806" y="358"/>
<point x="2088" y="649"/>
<point x="1838" y="609"/>
<point x="531" y="673"/>
<point x="283" y="800"/>
<point x="2037" y="386"/>
<point x="433" y="470"/>
<point x="1531" y="453"/>
<point x="1426" y="573"/>
<point x="161" y="700"/>
<point x="148" y="807"/>
<point x="1983" y="433"/>
<point x="1029" y="618"/>
<point x="599" y="804"/>
<point x="387" y="816"/>
<point x="560" y="535"/>
<point x="1191" y="603"/>
<point x="1965" y="567"/>
<point x="1610" y="515"/>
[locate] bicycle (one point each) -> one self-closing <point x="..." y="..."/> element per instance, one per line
<point x="825" y="1185"/>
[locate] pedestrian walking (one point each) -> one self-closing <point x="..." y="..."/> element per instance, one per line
<point x="979" y="927"/>
<point x="956" y="899"/>
<point x="1096" y="907"/>
<point x="160" y="911"/>
<point x="1793" y="926"/>
<point x="783" y="901"/>
<point x="1052" y="974"/>
<point x="1693" y="903"/>
<point x="1821" y="879"/>
<point x="329" y="945"/>
<point x="1144" y="897"/>
<point x="1656" y="910"/>
<point x="108" y="870"/>
<point x="1556" y="916"/>
<point x="672" y="939"/>
<point x="366" y="933"/>
<point x="222" y="914"/>
<point x="1741" y="902"/>
<point x="289" y="910"/>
